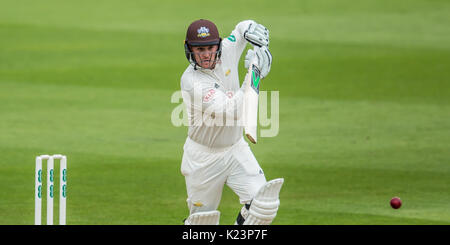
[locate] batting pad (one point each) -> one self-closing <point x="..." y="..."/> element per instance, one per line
<point x="264" y="206"/>
<point x="203" y="218"/>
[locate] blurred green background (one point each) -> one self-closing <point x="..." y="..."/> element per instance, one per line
<point x="364" y="107"/>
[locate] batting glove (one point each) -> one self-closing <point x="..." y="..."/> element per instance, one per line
<point x="257" y="35"/>
<point x="262" y="57"/>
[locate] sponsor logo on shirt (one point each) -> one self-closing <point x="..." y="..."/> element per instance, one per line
<point x="208" y="97"/>
<point x="232" y="38"/>
<point x="198" y="204"/>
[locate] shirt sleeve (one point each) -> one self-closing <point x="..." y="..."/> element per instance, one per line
<point x="235" y="43"/>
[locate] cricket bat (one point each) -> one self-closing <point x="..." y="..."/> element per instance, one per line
<point x="251" y="95"/>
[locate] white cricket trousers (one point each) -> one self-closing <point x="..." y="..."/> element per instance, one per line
<point x="206" y="170"/>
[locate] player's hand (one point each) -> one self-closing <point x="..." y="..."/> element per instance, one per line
<point x="261" y="57"/>
<point x="257" y="35"/>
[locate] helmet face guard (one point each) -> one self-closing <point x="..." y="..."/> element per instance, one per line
<point x="190" y="56"/>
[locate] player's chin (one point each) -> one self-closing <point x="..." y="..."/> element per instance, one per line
<point x="207" y="64"/>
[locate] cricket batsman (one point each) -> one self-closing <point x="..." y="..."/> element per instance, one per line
<point x="215" y="152"/>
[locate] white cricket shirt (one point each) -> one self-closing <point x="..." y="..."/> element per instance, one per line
<point x="213" y="98"/>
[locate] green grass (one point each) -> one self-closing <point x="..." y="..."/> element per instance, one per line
<point x="364" y="108"/>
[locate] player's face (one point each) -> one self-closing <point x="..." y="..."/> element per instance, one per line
<point x="205" y="55"/>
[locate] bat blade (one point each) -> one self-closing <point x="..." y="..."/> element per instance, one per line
<point x="251" y="96"/>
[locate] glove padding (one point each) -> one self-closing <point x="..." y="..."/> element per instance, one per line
<point x="257" y="35"/>
<point x="261" y="57"/>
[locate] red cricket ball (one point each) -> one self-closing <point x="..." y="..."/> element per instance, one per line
<point x="396" y="203"/>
